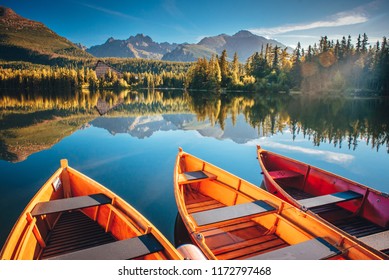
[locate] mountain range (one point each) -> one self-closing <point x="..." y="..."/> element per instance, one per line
<point x="139" y="46"/>
<point x="244" y="43"/>
<point x="28" y="40"/>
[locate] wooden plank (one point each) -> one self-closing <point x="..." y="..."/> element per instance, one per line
<point x="244" y="244"/>
<point x="205" y="207"/>
<point x="313" y="249"/>
<point x="72" y="203"/>
<point x="195" y="176"/>
<point x="119" y="250"/>
<point x="329" y="199"/>
<point x="202" y="204"/>
<point x="219" y="230"/>
<point x="284" y="174"/>
<point x="74" y="231"/>
<point x="252" y="254"/>
<point x="231" y="212"/>
<point x="274" y="243"/>
<point x="379" y="241"/>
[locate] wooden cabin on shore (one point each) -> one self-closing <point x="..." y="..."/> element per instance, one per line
<point x="102" y="68"/>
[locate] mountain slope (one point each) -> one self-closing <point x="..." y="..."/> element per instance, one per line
<point x="27" y="40"/>
<point x="188" y="53"/>
<point x="139" y="46"/>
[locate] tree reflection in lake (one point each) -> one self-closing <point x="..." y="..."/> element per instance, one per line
<point x="30" y="122"/>
<point x="330" y="119"/>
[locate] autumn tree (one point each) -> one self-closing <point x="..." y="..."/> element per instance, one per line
<point x="223" y="65"/>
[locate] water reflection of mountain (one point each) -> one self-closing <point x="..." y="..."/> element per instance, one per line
<point x="30" y="122"/>
<point x="142" y="126"/>
<point x="145" y="126"/>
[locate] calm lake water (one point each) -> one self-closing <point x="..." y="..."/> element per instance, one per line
<point x="132" y="148"/>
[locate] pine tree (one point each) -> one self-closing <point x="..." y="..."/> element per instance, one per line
<point x="343" y="49"/>
<point x="235" y="70"/>
<point x="349" y="46"/>
<point x="358" y="46"/>
<point x="309" y="55"/>
<point x="364" y="43"/>
<point x="275" y="61"/>
<point x="223" y="64"/>
<point x="285" y="60"/>
<point x="296" y="67"/>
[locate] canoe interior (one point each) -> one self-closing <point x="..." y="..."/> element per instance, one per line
<point x="342" y="218"/>
<point x="74" y="231"/>
<point x="235" y="240"/>
<point x="361" y="217"/>
<point x="47" y="229"/>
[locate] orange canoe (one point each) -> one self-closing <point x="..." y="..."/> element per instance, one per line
<point x="230" y="218"/>
<point x="358" y="211"/>
<point x="74" y="217"/>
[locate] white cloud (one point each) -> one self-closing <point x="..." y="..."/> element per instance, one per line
<point x="170" y="7"/>
<point x="110" y="12"/>
<point x="331" y="157"/>
<point x="340" y="19"/>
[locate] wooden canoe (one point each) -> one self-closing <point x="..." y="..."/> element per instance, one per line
<point x="356" y="210"/>
<point x="230" y="218"/>
<point x="74" y="217"/>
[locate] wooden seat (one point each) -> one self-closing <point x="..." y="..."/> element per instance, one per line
<point x="119" y="250"/>
<point x="313" y="249"/>
<point x="379" y="241"/>
<point x="195" y="176"/>
<point x="284" y="174"/>
<point x="72" y="203"/>
<point x="328" y="199"/>
<point x="231" y="212"/>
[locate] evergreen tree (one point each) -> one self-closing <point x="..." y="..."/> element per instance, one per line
<point x="343" y="49"/>
<point x="275" y="61"/>
<point x="364" y="43"/>
<point x="349" y="46"/>
<point x="296" y="67"/>
<point x="223" y="64"/>
<point x="309" y="55"/>
<point x="358" y="46"/>
<point x="214" y="76"/>
<point x="285" y="60"/>
<point x="235" y="70"/>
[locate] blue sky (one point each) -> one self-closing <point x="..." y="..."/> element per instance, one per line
<point x="92" y="22"/>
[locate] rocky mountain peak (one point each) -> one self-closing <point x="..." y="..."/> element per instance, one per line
<point x="7" y="12"/>
<point x="110" y="40"/>
<point x="243" y="34"/>
<point x="9" y="18"/>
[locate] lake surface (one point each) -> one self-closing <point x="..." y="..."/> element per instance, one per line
<point x="132" y="148"/>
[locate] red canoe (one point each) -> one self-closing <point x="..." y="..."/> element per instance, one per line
<point x="353" y="208"/>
